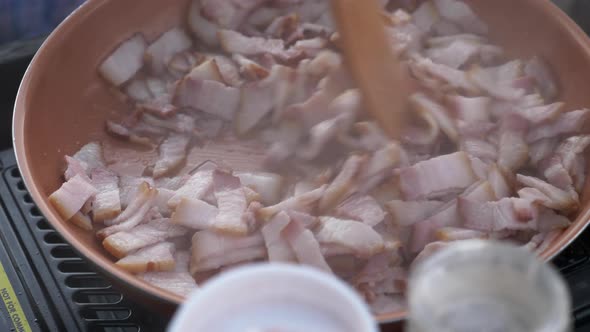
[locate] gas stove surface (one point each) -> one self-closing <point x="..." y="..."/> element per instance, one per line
<point x="46" y="286"/>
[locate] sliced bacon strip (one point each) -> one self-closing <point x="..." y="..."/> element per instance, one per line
<point x="124" y="243"/>
<point x="134" y="214"/>
<point x="161" y="51"/>
<point x="195" y="214"/>
<point x="106" y="203"/>
<point x="196" y="187"/>
<point x="568" y="123"/>
<point x="208" y="96"/>
<point x="71" y="196"/>
<point x="173" y="153"/>
<point x="125" y="61"/>
<point x="556" y="198"/>
<point x="306" y="203"/>
<point x="355" y="237"/>
<point x="361" y="208"/>
<point x="343" y="184"/>
<point x="235" y="42"/>
<point x="279" y="249"/>
<point x="305" y="246"/>
<point x="431" y="178"/>
<point x="407" y="213"/>
<point x="232" y="204"/>
<point x="211" y="250"/>
<point x="159" y="257"/>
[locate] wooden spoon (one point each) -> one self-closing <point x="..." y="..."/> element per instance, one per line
<point x="371" y="61"/>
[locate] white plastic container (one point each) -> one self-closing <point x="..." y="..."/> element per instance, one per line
<point x="485" y="286"/>
<point x="274" y="297"/>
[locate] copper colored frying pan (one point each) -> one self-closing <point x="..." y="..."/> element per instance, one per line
<point x="62" y="102"/>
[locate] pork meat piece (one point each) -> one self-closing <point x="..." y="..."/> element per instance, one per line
<point x="306" y="202"/>
<point x="568" y="123"/>
<point x="235" y="42"/>
<point x="159" y="257"/>
<point x="305" y="246"/>
<point x="268" y="185"/>
<point x="71" y="196"/>
<point x="106" y="203"/>
<point x="437" y="176"/>
<point x="358" y="238"/>
<point x="159" y="53"/>
<point x="208" y="96"/>
<point x="543" y="76"/>
<point x="124" y="243"/>
<point x="134" y="214"/>
<point x="550" y="196"/>
<point x="361" y="208"/>
<point x="173" y="153"/>
<point x="408" y="213"/>
<point x="231" y="202"/>
<point x="343" y="184"/>
<point x="279" y="249"/>
<point x="125" y="61"/>
<point x="196" y="187"/>
<point x="211" y="250"/>
<point x="195" y="214"/>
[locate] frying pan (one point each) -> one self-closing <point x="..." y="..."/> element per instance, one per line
<point x="62" y="103"/>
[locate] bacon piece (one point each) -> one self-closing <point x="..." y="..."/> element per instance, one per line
<point x="431" y="178"/>
<point x="91" y="154"/>
<point x="460" y="13"/>
<point x="449" y="234"/>
<point x="305" y="203"/>
<point x="235" y="42"/>
<point x="543" y="76"/>
<point x="134" y="214"/>
<point x="408" y="213"/>
<point x="542" y="149"/>
<point x="567" y="123"/>
<point x="128" y="186"/>
<point x="159" y="257"/>
<point x="228" y="70"/>
<point x="125" y="61"/>
<point x="208" y="96"/>
<point x="195" y="214"/>
<point x="454" y="55"/>
<point x="429" y="250"/>
<point x="106" y="203"/>
<point x="211" y="250"/>
<point x="76" y="167"/>
<point x="123" y="132"/>
<point x="497" y="81"/>
<point x="268" y="185"/>
<point x="172" y="154"/>
<point x="250" y="69"/>
<point x="257" y="101"/>
<point x="196" y="187"/>
<point x="458" y="79"/>
<point x="277" y="246"/>
<point x="354" y="237"/>
<point x="497" y="216"/>
<point x="161" y="51"/>
<point x="202" y="28"/>
<point x="540" y="114"/>
<point x="305" y="246"/>
<point x="498" y="182"/>
<point x="180" y="283"/>
<point x="71" y="196"/>
<point x="548" y="195"/>
<point x="124" y="243"/>
<point x="470" y="109"/>
<point x="426" y="16"/>
<point x="232" y="204"/>
<point x="513" y="152"/>
<point x="361" y="208"/>
<point x="422" y="101"/>
<point x="207" y="70"/>
<point x="343" y="184"/>
<point x="447" y="216"/>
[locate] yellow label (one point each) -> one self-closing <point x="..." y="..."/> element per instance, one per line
<point x="13" y="307"/>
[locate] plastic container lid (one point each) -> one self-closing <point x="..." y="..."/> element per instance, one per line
<point x="274" y="297"/>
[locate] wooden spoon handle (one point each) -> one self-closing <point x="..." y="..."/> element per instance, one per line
<point x="369" y="56"/>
